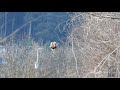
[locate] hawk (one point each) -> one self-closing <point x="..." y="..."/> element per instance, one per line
<point x="53" y="45"/>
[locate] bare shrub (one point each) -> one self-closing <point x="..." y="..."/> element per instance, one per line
<point x="96" y="44"/>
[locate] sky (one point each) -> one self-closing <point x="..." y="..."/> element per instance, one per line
<point x="44" y="25"/>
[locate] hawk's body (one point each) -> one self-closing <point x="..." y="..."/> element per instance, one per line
<point x="53" y="45"/>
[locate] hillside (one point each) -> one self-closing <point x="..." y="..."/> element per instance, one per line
<point x="37" y="25"/>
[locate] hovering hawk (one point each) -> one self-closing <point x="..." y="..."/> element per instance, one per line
<point x="53" y="45"/>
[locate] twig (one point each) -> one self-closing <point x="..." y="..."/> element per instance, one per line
<point x="75" y="58"/>
<point x="36" y="63"/>
<point x="70" y="75"/>
<point x="106" y="17"/>
<point x="105" y="59"/>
